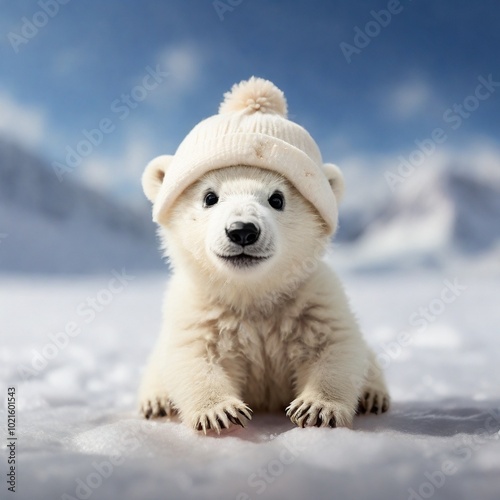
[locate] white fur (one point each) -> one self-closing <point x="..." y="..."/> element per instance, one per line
<point x="274" y="335"/>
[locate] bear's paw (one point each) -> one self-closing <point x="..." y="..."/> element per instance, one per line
<point x="157" y="406"/>
<point x="221" y="416"/>
<point x="306" y="412"/>
<point x="374" y="400"/>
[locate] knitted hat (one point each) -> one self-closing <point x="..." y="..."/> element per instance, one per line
<point x="251" y="129"/>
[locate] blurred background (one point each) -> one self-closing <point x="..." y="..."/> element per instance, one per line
<point x="402" y="95"/>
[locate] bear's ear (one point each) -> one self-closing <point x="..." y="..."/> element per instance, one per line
<point x="335" y="179"/>
<point x="152" y="177"/>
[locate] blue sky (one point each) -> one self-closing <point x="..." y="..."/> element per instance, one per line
<point x="66" y="76"/>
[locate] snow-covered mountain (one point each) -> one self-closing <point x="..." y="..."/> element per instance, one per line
<point x="449" y="211"/>
<point x="50" y="226"/>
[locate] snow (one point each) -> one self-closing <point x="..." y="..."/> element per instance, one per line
<point x="79" y="435"/>
<point x="423" y="273"/>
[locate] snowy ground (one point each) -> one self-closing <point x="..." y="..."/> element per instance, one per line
<point x="79" y="435"/>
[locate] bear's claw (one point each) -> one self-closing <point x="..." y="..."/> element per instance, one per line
<point x="158" y="407"/>
<point x="309" y="413"/>
<point x="222" y="416"/>
<point x="372" y="401"/>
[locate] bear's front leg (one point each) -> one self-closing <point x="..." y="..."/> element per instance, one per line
<point x="154" y="399"/>
<point x="206" y="396"/>
<point x="327" y="396"/>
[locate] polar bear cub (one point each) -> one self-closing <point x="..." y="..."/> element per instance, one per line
<point x="254" y="319"/>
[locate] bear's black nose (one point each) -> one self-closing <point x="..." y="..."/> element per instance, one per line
<point x="243" y="233"/>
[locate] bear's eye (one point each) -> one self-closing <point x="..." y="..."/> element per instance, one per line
<point x="276" y="200"/>
<point x="210" y="199"/>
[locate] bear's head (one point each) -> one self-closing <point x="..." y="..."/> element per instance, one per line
<point x="242" y="223"/>
<point x="246" y="199"/>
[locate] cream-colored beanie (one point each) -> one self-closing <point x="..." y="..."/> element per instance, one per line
<point x="252" y="129"/>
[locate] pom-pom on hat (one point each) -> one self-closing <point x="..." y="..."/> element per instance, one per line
<point x="251" y="129"/>
<point x="253" y="95"/>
